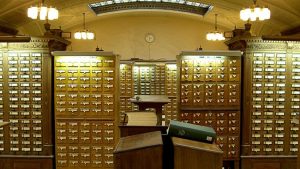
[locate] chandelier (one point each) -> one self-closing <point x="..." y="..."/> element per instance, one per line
<point x="84" y="34"/>
<point x="42" y="12"/>
<point x="255" y="12"/>
<point x="215" y="35"/>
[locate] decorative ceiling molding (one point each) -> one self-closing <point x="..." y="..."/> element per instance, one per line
<point x="171" y="5"/>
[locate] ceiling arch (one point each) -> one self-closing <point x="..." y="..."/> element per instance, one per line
<point x="284" y="15"/>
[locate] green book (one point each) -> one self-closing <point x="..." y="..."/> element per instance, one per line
<point x="191" y="131"/>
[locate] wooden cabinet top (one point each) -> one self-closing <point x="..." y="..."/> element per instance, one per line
<point x="139" y="141"/>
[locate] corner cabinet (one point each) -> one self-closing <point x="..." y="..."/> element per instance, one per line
<point x="210" y="95"/>
<point x="271" y="104"/>
<point x="25" y="102"/>
<point x="86" y="109"/>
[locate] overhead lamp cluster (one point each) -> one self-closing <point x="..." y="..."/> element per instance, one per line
<point x="42" y="12"/>
<point x="215" y="35"/>
<point x="84" y="34"/>
<point x="255" y="12"/>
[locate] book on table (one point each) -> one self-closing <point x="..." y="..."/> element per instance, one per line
<point x="141" y="118"/>
<point x="191" y="131"/>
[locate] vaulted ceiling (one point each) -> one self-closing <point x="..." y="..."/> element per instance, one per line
<point x="285" y="15"/>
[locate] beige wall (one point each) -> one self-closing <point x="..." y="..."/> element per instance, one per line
<point x="124" y="34"/>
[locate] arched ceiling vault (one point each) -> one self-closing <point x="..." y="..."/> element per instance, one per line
<point x="285" y="15"/>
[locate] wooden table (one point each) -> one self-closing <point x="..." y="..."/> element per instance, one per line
<point x="151" y="101"/>
<point x="141" y="151"/>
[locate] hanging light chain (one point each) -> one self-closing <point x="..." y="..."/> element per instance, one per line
<point x="84" y="34"/>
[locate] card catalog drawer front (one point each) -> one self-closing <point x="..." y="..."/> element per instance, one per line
<point x="108" y="97"/>
<point x="73" y="149"/>
<point x="96" y="75"/>
<point x="198" y="77"/>
<point x="222" y="94"/>
<point x="108" y="73"/>
<point x="233" y="130"/>
<point x="198" y="70"/>
<point x="108" y="163"/>
<point x="108" y="125"/>
<point x="188" y="87"/>
<point x="188" y="63"/>
<point x="210" y="77"/>
<point x="186" y="101"/>
<point x="61" y="73"/>
<point x="61" y="149"/>
<point x="186" y="94"/>
<point x="62" y="156"/>
<point x="61" y="163"/>
<point x="108" y="139"/>
<point x="198" y="101"/>
<point x="232" y="153"/>
<point x="84" y="163"/>
<point x="234" y="101"/>
<point x="186" y="116"/>
<point x="234" y="77"/>
<point x="84" y="139"/>
<point x="234" y="62"/>
<point x="222" y="130"/>
<point x="222" y="140"/>
<point x="96" y="163"/>
<point x="187" y="77"/>
<point x="234" y="70"/>
<point x="108" y="149"/>
<point x="97" y="138"/>
<point x="221" y="77"/>
<point x="196" y="87"/>
<point x="210" y="87"/>
<point x="73" y="156"/>
<point x="210" y="70"/>
<point x="197" y="122"/>
<point x="221" y="101"/>
<point x="210" y="101"/>
<point x="221" y="70"/>
<point x="108" y="62"/>
<point x="221" y="123"/>
<point x="209" y="116"/>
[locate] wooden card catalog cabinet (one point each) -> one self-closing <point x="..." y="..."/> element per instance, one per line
<point x="149" y="78"/>
<point x="86" y="111"/>
<point x="210" y="95"/>
<point x="271" y="87"/>
<point x="25" y="102"/>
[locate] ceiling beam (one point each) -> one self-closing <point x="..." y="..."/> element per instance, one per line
<point x="14" y="38"/>
<point x="8" y="30"/>
<point x="282" y="38"/>
<point x="291" y="31"/>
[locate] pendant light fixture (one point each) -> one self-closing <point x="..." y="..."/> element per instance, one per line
<point x="42" y="12"/>
<point x="255" y="12"/>
<point x="84" y="34"/>
<point x="215" y="35"/>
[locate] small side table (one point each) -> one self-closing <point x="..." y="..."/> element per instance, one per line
<point x="151" y="101"/>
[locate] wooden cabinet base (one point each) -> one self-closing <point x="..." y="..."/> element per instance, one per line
<point x="141" y="151"/>
<point x="26" y="163"/>
<point x="269" y="162"/>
